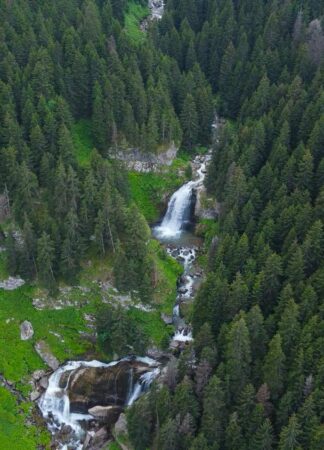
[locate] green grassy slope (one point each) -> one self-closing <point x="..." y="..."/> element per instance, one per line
<point x="82" y="140"/>
<point x="14" y="433"/>
<point x="135" y="14"/>
<point x="150" y="190"/>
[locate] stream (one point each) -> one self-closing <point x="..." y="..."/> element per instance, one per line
<point x="175" y="232"/>
<point x="82" y="395"/>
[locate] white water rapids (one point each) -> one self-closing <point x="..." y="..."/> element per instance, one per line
<point x="157" y="8"/>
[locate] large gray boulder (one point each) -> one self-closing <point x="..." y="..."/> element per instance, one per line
<point x="121" y="425"/>
<point x="44" y="352"/>
<point x="26" y="331"/>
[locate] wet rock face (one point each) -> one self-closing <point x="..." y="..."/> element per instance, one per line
<point x="89" y="387"/>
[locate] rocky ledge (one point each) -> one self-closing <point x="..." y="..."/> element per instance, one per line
<point x="136" y="160"/>
<point x="90" y="388"/>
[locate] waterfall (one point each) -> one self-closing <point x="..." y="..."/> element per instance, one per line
<point x="178" y="212"/>
<point x="130" y="385"/>
<point x="142" y="385"/>
<point x="183" y="336"/>
<point x="55" y="402"/>
<point x="157" y="8"/>
<point x="172" y="225"/>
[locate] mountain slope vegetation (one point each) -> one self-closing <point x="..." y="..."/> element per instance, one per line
<point x="78" y="84"/>
<point x="253" y="378"/>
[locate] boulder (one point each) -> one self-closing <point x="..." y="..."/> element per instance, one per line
<point x="87" y="441"/>
<point x="43" y="383"/>
<point x="99" y="439"/>
<point x="44" y="352"/>
<point x="26" y="330"/>
<point x="166" y="319"/>
<point x="157" y="354"/>
<point x="205" y="207"/>
<point x="107" y="414"/>
<point x="12" y="283"/>
<point x="136" y="160"/>
<point x="89" y="387"/>
<point x="121" y="425"/>
<point x="34" y="396"/>
<point x="182" y="290"/>
<point x="38" y="374"/>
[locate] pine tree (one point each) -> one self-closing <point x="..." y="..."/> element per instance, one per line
<point x="65" y="146"/>
<point x="289" y="327"/>
<point x="45" y="261"/>
<point x="169" y="436"/>
<point x="234" y="437"/>
<point x="26" y="192"/>
<point x="139" y="424"/>
<point x="27" y="261"/>
<point x="238" y="356"/>
<point x="290" y="435"/>
<point x="184" y="401"/>
<point x="274" y="367"/>
<point x="214" y="413"/>
<point x="263" y="438"/>
<point x="37" y="146"/>
<point x="189" y="123"/>
<point x="313" y="247"/>
<point x="200" y="443"/>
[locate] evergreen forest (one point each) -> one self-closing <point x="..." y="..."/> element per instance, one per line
<point x="253" y="377"/>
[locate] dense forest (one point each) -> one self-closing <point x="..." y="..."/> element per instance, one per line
<point x="62" y="62"/>
<point x="253" y="377"/>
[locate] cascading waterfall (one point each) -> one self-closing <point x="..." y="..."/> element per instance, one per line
<point x="170" y="230"/>
<point x="157" y="8"/>
<point x="55" y="402"/>
<point x="178" y="211"/>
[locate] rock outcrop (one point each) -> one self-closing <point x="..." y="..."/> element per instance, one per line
<point x="205" y="207"/>
<point x="136" y="160"/>
<point x="12" y="283"/>
<point x="93" y="389"/>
